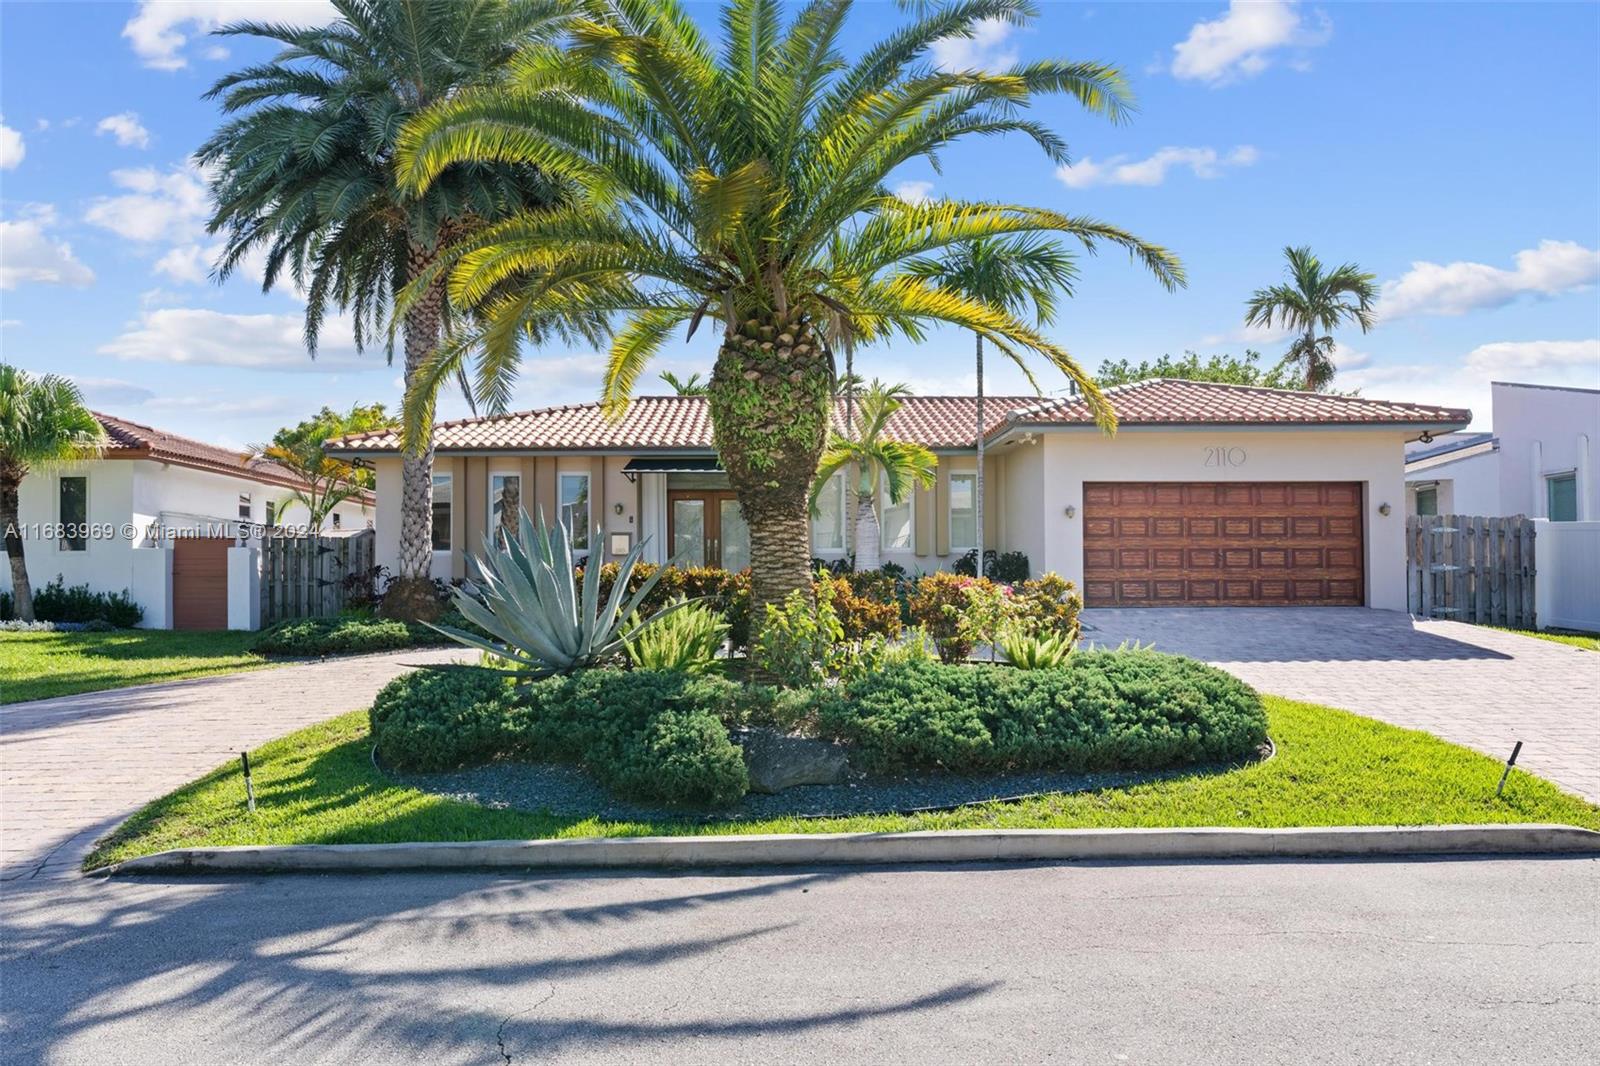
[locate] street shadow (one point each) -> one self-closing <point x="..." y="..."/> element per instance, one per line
<point x="323" y="968"/>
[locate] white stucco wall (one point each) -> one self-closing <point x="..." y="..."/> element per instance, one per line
<point x="1070" y="457"/>
<point x="105" y="564"/>
<point x="1546" y="431"/>
<point x="1466" y="486"/>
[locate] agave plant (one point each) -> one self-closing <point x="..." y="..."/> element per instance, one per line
<point x="1037" y="653"/>
<point x="529" y="600"/>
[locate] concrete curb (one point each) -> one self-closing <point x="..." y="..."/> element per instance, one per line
<point x="821" y="849"/>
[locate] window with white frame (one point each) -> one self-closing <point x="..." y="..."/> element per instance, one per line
<point x="575" y="509"/>
<point x="272" y="513"/>
<point x="894" y="521"/>
<point x="244" y="507"/>
<point x="1561" y="497"/>
<point x="443" y="492"/>
<point x="73" y="501"/>
<point x="827" y="524"/>
<point x="963" y="511"/>
<point x="505" y="502"/>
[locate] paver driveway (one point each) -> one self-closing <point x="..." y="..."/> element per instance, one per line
<point x="1480" y="687"/>
<point x="72" y="767"/>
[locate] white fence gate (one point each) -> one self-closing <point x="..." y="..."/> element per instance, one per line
<point x="1569" y="575"/>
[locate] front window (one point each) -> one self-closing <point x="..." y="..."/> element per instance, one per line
<point x="272" y="513"/>
<point x="963" y="511"/>
<point x="1562" y="491"/>
<point x="505" y="500"/>
<point x="336" y="520"/>
<point x="244" y="507"/>
<point x="74" y="501"/>
<point x="895" y="521"/>
<point x="827" y="525"/>
<point x="441" y="512"/>
<point x="575" y="509"/>
<point x="1427" y="501"/>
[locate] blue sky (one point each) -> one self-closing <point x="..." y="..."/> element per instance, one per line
<point x="1453" y="150"/>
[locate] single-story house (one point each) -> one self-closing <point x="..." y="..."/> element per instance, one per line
<point x="153" y="516"/>
<point x="1538" y="461"/>
<point x="1208" y="494"/>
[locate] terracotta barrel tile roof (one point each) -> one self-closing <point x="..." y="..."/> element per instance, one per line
<point x="682" y="423"/>
<point x="131" y="440"/>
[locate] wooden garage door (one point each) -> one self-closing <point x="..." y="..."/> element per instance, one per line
<point x="1222" y="544"/>
<point x="200" y="582"/>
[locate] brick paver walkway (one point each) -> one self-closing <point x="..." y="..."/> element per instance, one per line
<point x="73" y="767"/>
<point x="1479" y="687"/>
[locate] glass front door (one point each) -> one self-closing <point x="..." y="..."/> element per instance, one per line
<point x="706" y="528"/>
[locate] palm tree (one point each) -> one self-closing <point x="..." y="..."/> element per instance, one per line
<point x="751" y="185"/>
<point x="304" y="169"/>
<point x="1016" y="274"/>
<point x="893" y="465"/>
<point x="689" y="386"/>
<point x="1314" y="300"/>
<point x="328" y="481"/>
<point x="42" y="421"/>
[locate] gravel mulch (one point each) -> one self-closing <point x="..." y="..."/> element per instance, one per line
<point x="567" y="791"/>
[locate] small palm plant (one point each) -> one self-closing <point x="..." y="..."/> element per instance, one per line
<point x="895" y="466"/>
<point x="687" y="642"/>
<point x="689" y="386"/>
<point x="42" y="421"/>
<point x="528" y="600"/>
<point x="1044" y="652"/>
<point x="1317" y="299"/>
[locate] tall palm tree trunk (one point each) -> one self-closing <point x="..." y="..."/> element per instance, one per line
<point x="11" y="523"/>
<point x="771" y="395"/>
<point x="868" y="534"/>
<point x="978" y="482"/>
<point x="411" y="596"/>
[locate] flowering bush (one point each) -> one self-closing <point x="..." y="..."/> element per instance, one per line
<point x="958" y="611"/>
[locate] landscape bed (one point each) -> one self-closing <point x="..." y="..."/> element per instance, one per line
<point x="1330" y="767"/>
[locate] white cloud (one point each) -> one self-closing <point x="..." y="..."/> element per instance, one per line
<point x="201" y="337"/>
<point x="158" y="206"/>
<point x="1456" y="288"/>
<point x="126" y="128"/>
<point x="113" y="392"/>
<point x="11" y="147"/>
<point x="1239" y="44"/>
<point x="159" y="30"/>
<point x="1152" y="170"/>
<point x="1467" y="382"/>
<point x="914" y="192"/>
<point x="186" y="262"/>
<point x="28" y="254"/>
<point x="987" y="49"/>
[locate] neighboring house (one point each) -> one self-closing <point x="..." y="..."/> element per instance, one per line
<point x="151" y="496"/>
<point x="1538" y="461"/>
<point x="1208" y="494"/>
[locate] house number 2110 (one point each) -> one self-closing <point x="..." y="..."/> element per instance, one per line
<point x="1220" y="457"/>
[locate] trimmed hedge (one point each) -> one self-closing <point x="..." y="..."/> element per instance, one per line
<point x="347" y="635"/>
<point x="653" y="735"/>
<point x="55" y="602"/>
<point x="1104" y="710"/>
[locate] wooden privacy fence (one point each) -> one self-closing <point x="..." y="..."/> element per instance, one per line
<point x="304" y="577"/>
<point x="1471" y="569"/>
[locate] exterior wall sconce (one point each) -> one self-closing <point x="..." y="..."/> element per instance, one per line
<point x="1384" y="509"/>
<point x="1071" y="512"/>
<point x="617" y="508"/>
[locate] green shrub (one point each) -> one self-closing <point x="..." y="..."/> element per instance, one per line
<point x="1046" y="605"/>
<point x="1028" y="652"/>
<point x="1100" y="711"/>
<point x="687" y="640"/>
<point x="56" y="602"/>
<point x="726" y="592"/>
<point x="958" y="611"/>
<point x="865" y="603"/>
<point x="346" y="635"/>
<point x="441" y="719"/>
<point x="800" y="642"/>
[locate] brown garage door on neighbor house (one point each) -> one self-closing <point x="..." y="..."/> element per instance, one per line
<point x="200" y="582"/>
<point x="1222" y="544"/>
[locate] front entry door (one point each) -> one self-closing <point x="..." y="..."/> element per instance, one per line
<point x="707" y="528"/>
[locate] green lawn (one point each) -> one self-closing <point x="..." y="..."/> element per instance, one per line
<point x="318" y="786"/>
<point x="1587" y="641"/>
<point x="36" y="665"/>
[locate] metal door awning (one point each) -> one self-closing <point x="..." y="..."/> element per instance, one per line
<point x="682" y="464"/>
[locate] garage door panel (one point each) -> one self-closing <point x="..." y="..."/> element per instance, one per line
<point x="1223" y="543"/>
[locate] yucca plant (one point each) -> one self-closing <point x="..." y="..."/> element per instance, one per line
<point x="528" y="599"/>
<point x="686" y="641"/>
<point x="1046" y="652"/>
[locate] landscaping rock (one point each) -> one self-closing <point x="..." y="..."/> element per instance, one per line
<point x="776" y="762"/>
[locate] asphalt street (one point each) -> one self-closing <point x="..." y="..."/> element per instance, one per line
<point x="1482" y="961"/>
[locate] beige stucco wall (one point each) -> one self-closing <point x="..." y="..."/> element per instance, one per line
<point x="1039" y="490"/>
